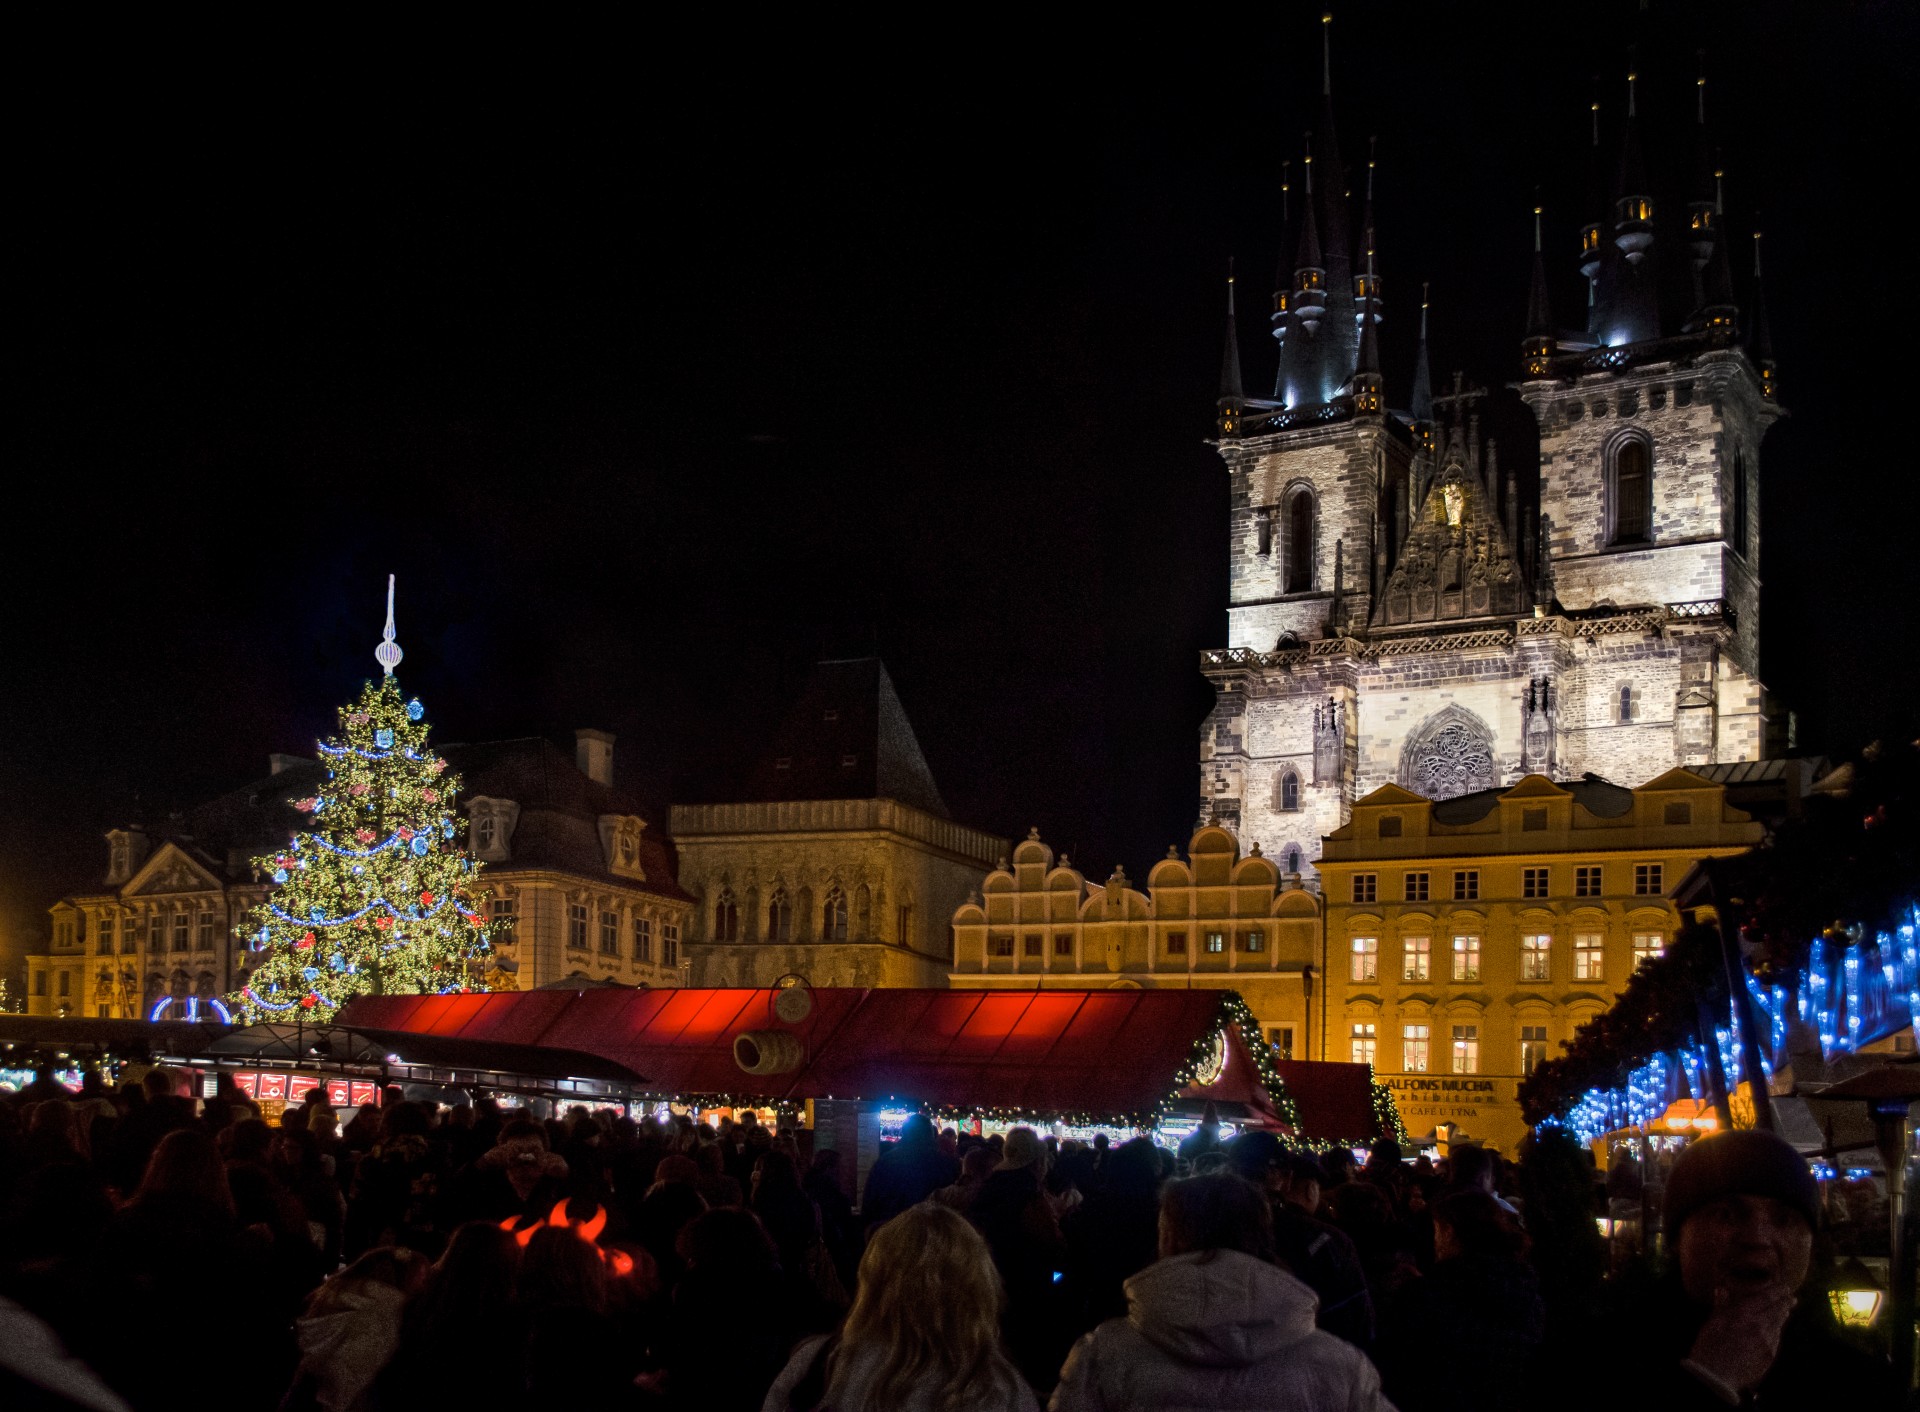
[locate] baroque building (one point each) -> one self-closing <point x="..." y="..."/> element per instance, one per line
<point x="1467" y="938"/>
<point x="1213" y="918"/>
<point x="1403" y="611"/>
<point x="834" y="859"/>
<point x="579" y="889"/>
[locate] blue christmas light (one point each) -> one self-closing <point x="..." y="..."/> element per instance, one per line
<point x="420" y="845"/>
<point x="446" y="828"/>
<point x="309" y="973"/>
<point x="383" y="738"/>
<point x="415" y="710"/>
<point x="279" y="874"/>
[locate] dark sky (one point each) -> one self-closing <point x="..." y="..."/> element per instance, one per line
<point x="657" y="365"/>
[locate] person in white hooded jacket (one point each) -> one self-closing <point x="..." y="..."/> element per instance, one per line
<point x="1214" y="1324"/>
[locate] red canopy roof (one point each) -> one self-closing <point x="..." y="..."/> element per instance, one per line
<point x="1107" y="1053"/>
<point x="1335" y="1101"/>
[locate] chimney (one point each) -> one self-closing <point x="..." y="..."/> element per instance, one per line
<point x="593" y="753"/>
<point x="277" y="762"/>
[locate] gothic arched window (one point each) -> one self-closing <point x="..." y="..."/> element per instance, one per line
<point x="1626" y="705"/>
<point x="1299" y="563"/>
<point x="1293" y="859"/>
<point x="726" y="917"/>
<point x="833" y="915"/>
<point x="780" y="917"/>
<point x="1631" y="486"/>
<point x="1287" y="795"/>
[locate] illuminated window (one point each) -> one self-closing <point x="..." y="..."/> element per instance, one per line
<point x="1365" y="965"/>
<point x="1254" y="941"/>
<point x="1533" y="882"/>
<point x="1536" y="953"/>
<point x="1417" y="885"/>
<point x="609" y="933"/>
<point x="1586" y="881"/>
<point x="643" y="940"/>
<point x="1589" y="956"/>
<point x="1466" y="1049"/>
<point x="1281" y="1038"/>
<point x="500" y="910"/>
<point x="1466" y="958"/>
<point x="1216" y="942"/>
<point x="1366" y="887"/>
<point x="483" y="833"/>
<point x="1415" y="1043"/>
<point x="1646" y="946"/>
<point x="577" y="925"/>
<point x="1647" y="880"/>
<point x="1631" y="492"/>
<point x="1416" y="962"/>
<point x="1176" y="943"/>
<point x="1364" y="1042"/>
<point x="833" y="915"/>
<point x="1533" y="1047"/>
<point x="1466" y="885"/>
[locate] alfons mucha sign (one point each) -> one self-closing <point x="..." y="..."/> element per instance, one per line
<point x="1479" y="1108"/>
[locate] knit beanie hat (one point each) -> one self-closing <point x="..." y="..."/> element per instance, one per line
<point x="1746" y="1162"/>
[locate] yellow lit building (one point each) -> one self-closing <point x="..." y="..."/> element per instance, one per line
<point x="1213" y="918"/>
<point x="1468" y="938"/>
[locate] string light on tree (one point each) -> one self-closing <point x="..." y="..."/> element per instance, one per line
<point x="376" y="895"/>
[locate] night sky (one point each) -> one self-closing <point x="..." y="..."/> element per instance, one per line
<point x="658" y="365"/>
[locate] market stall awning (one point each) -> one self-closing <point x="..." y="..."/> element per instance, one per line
<point x="491" y="1064"/>
<point x="1335" y="1101"/>
<point x="48" y="1035"/>
<point x="1099" y="1055"/>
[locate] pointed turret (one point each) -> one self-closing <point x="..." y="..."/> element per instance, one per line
<point x="1760" y="344"/>
<point x="1343" y="337"/>
<point x="1591" y="232"/>
<point x="1626" y="306"/>
<point x="1367" y="292"/>
<point x="1304" y="372"/>
<point x="1633" y="193"/>
<point x="1538" y="347"/>
<point x="1232" y="395"/>
<point x="1421" y="405"/>
<point x="1369" y="388"/>
<point x="1282" y="317"/>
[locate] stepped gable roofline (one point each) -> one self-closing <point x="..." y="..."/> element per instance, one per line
<point x="846" y="737"/>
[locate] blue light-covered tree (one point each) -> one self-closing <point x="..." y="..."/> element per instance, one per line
<point x="378" y="896"/>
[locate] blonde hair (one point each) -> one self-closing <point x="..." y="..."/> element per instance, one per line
<point x="929" y="1304"/>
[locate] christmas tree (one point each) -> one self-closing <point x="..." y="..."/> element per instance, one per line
<point x="377" y="896"/>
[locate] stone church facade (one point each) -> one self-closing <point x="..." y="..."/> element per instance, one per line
<point x="1403" y="613"/>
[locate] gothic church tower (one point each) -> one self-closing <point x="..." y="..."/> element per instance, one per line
<point x="1399" y="612"/>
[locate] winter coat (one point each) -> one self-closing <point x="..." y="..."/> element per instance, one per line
<point x="347" y="1336"/>
<point x="1471" y="1307"/>
<point x="860" y="1364"/>
<point x="1216" y="1330"/>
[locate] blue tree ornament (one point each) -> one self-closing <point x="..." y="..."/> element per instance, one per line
<point x="415" y="710"/>
<point x="309" y="973"/>
<point x="279" y="874"/>
<point x="446" y="828"/>
<point x="420" y="845"/>
<point x="383" y="738"/>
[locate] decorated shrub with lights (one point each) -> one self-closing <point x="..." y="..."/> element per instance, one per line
<point x="376" y="895"/>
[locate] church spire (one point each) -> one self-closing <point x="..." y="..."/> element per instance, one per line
<point x="1421" y="404"/>
<point x="1232" y="395"/>
<point x="1369" y="389"/>
<point x="1538" y="347"/>
<point x="1760" y="346"/>
<point x="1627" y="307"/>
<point x="1341" y="338"/>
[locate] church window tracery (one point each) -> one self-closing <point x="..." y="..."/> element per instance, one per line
<point x="1452" y="754"/>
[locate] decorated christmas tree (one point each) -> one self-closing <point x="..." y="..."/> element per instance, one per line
<point x="377" y="895"/>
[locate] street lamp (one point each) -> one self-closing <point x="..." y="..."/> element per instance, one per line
<point x="1890" y="1093"/>
<point x="1856" y="1295"/>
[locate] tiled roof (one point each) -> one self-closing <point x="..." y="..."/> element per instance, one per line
<point x="847" y="737"/>
<point x="558" y="828"/>
<point x="1601" y="798"/>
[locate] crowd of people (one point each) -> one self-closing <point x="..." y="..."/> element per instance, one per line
<point x="158" y="1250"/>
